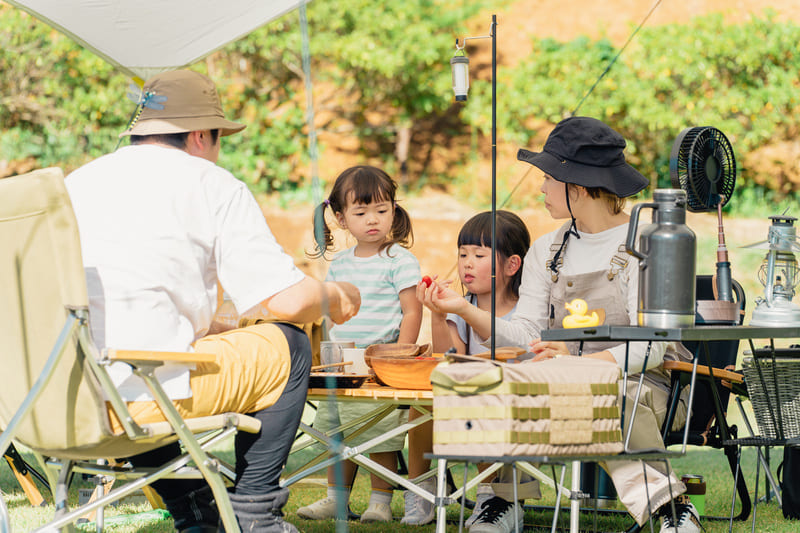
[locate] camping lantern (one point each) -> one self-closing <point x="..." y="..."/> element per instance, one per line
<point x="779" y="276"/>
<point x="459" y="64"/>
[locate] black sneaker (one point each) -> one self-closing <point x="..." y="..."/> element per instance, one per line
<point x="687" y="519"/>
<point x="498" y="516"/>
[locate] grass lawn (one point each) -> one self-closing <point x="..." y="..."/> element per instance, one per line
<point x="709" y="463"/>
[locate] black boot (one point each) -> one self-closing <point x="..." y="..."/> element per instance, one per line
<point x="195" y="512"/>
<point x="262" y="513"/>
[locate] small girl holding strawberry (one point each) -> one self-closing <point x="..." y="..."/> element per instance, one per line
<point x="450" y="331"/>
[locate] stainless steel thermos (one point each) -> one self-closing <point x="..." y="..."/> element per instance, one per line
<point x="667" y="254"/>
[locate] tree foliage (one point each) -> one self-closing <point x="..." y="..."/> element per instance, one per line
<point x="742" y="79"/>
<point x="379" y="66"/>
<point x="380" y="73"/>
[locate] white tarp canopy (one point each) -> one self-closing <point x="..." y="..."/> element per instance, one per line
<point x="144" y="37"/>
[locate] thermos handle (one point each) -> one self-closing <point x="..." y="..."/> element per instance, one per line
<point x="632" y="226"/>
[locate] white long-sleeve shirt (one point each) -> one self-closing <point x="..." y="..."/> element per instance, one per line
<point x="590" y="253"/>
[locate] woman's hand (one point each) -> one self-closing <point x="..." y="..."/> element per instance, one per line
<point x="545" y="350"/>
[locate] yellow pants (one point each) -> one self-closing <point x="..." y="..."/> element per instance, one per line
<point x="249" y="374"/>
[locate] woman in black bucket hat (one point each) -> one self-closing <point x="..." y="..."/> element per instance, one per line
<point x="586" y="180"/>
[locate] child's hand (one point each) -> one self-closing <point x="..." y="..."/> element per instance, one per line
<point x="428" y="282"/>
<point x="439" y="297"/>
<point x="545" y="350"/>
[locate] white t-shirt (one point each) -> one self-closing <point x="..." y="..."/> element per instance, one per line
<point x="590" y="253"/>
<point x="158" y="229"/>
<point x="473" y="342"/>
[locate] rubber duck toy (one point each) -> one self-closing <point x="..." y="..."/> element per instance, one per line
<point x="577" y="317"/>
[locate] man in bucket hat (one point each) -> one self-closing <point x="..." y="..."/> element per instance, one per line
<point x="161" y="225"/>
<point x="586" y="181"/>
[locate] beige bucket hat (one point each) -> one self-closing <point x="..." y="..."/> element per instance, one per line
<point x="191" y="104"/>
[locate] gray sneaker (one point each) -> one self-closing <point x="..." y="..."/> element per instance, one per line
<point x="498" y="516"/>
<point x="418" y="510"/>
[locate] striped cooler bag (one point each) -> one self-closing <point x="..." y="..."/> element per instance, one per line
<point x="563" y="406"/>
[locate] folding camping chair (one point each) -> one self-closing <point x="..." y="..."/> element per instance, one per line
<point x="55" y="394"/>
<point x="715" y="379"/>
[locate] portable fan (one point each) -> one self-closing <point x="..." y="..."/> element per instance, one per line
<point x="702" y="164"/>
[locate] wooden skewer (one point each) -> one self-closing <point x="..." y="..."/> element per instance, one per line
<point x="331" y="365"/>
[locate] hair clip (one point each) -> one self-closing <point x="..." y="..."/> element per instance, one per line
<point x="327" y="202"/>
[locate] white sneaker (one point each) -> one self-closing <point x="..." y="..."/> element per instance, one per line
<point x="418" y="510"/>
<point x="687" y="519"/>
<point x="497" y="516"/>
<point x="323" y="509"/>
<point x="483" y="495"/>
<point x="377" y="512"/>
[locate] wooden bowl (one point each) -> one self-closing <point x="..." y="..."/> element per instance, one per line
<point x="405" y="372"/>
<point x="395" y="351"/>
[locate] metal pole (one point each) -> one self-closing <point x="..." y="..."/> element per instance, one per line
<point x="494" y="181"/>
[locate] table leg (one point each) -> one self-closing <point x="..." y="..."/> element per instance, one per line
<point x="441" y="510"/>
<point x="575" y="503"/>
<point x="559" y="492"/>
<point x="515" y="503"/>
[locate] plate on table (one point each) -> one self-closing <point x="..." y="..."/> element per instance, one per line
<point x="336" y="380"/>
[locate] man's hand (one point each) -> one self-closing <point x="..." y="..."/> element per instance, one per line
<point x="343" y="302"/>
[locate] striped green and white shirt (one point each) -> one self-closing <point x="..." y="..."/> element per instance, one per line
<point x="380" y="278"/>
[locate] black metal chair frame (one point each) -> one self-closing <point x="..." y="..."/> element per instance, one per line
<point x="709" y="425"/>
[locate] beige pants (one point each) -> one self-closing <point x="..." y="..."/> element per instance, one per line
<point x="641" y="498"/>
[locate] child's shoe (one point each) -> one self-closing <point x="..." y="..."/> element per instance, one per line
<point x="377" y="512"/>
<point x="418" y="510"/>
<point x="323" y="509"/>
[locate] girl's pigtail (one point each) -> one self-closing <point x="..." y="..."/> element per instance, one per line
<point x="323" y="238"/>
<point x="402" y="233"/>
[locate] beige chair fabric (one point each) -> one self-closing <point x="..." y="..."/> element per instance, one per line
<point x="42" y="273"/>
<point x="43" y="288"/>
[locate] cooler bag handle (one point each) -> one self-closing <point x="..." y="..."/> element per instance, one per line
<point x="483" y="380"/>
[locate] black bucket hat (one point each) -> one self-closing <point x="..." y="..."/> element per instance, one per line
<point x="586" y="152"/>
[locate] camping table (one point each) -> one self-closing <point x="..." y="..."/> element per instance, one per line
<point x="702" y="334"/>
<point x="385" y="400"/>
<point x="623" y="334"/>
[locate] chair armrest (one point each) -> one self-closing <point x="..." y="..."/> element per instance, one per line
<point x="725" y="375"/>
<point x="149" y="356"/>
